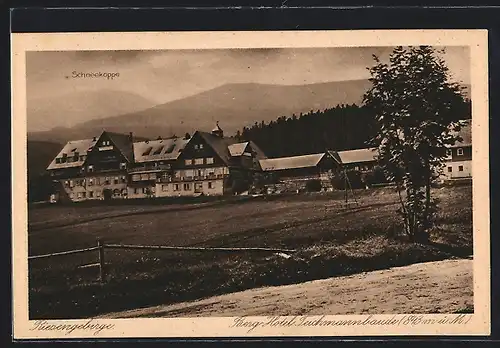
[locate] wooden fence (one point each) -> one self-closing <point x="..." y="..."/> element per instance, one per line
<point x="100" y="248"/>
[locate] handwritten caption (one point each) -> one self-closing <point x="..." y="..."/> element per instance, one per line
<point x="91" y="325"/>
<point x="371" y="320"/>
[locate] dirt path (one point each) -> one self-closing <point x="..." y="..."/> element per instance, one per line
<point x="432" y="287"/>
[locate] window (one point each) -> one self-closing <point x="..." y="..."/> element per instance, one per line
<point x="136" y="190"/>
<point x="71" y="195"/>
<point x="201" y="146"/>
<point x="124" y="179"/>
<point x="91" y="181"/>
<point x="450" y="169"/>
<point x="188" y="162"/>
<point x="79" y="195"/>
<point x="176" y="187"/>
<point x="66" y="183"/>
<point x="117" y="180"/>
<point x="123" y="165"/>
<point x="187" y="187"/>
<point x="98" y="181"/>
<point x="210" y="185"/>
<point x="460" y="168"/>
<point x="448" y="152"/>
<point x="91" y="168"/>
<point x="210" y="160"/>
<point x="106" y="143"/>
<point x="71" y="183"/>
<point x="164" y="188"/>
<point x="164" y="176"/>
<point x="124" y="192"/>
<point x="460" y="151"/>
<point x="106" y="181"/>
<point x="198" y="172"/>
<point x="84" y="194"/>
<point x="91" y="194"/>
<point x="198" y="161"/>
<point x="98" y="193"/>
<point x="82" y="158"/>
<point x="136" y="177"/>
<point x="58" y="160"/>
<point x="145" y="190"/>
<point x="196" y="147"/>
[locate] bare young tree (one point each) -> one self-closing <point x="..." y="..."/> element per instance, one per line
<point x="417" y="109"/>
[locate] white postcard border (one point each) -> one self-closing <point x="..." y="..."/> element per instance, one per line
<point x="376" y="325"/>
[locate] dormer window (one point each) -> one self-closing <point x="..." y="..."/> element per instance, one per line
<point x="90" y="168"/>
<point x="123" y="165"/>
<point x="201" y="146"/>
<point x="196" y="147"/>
<point x="460" y="151"/>
<point x="448" y="152"/>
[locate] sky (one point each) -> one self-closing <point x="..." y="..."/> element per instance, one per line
<point x="163" y="76"/>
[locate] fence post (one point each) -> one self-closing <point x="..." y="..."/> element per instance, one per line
<point x="102" y="263"/>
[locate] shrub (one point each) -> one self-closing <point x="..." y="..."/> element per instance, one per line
<point x="313" y="185"/>
<point x="239" y="186"/>
<point x="354" y="179"/>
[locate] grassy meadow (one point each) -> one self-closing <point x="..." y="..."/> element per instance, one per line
<point x="329" y="239"/>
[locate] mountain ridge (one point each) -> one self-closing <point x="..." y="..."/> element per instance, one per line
<point x="234" y="105"/>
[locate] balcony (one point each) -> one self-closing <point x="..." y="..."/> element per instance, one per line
<point x="150" y="169"/>
<point x="193" y="178"/>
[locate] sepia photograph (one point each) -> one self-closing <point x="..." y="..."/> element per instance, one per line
<point x="308" y="186"/>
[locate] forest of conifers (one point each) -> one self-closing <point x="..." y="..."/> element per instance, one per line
<point x="344" y="127"/>
<point x="340" y="128"/>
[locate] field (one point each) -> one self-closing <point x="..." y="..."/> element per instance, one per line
<point x="329" y="238"/>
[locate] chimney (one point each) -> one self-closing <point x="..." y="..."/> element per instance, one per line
<point x="131" y="137"/>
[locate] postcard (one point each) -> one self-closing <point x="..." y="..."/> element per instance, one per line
<point x="250" y="184"/>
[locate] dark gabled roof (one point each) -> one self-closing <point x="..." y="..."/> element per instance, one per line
<point x="259" y="154"/>
<point x="220" y="145"/>
<point x="124" y="144"/>
<point x="465" y="133"/>
<point x="226" y="148"/>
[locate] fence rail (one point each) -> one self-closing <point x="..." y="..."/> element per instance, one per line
<point x="102" y="246"/>
<point x="69" y="252"/>
<point x="161" y="247"/>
